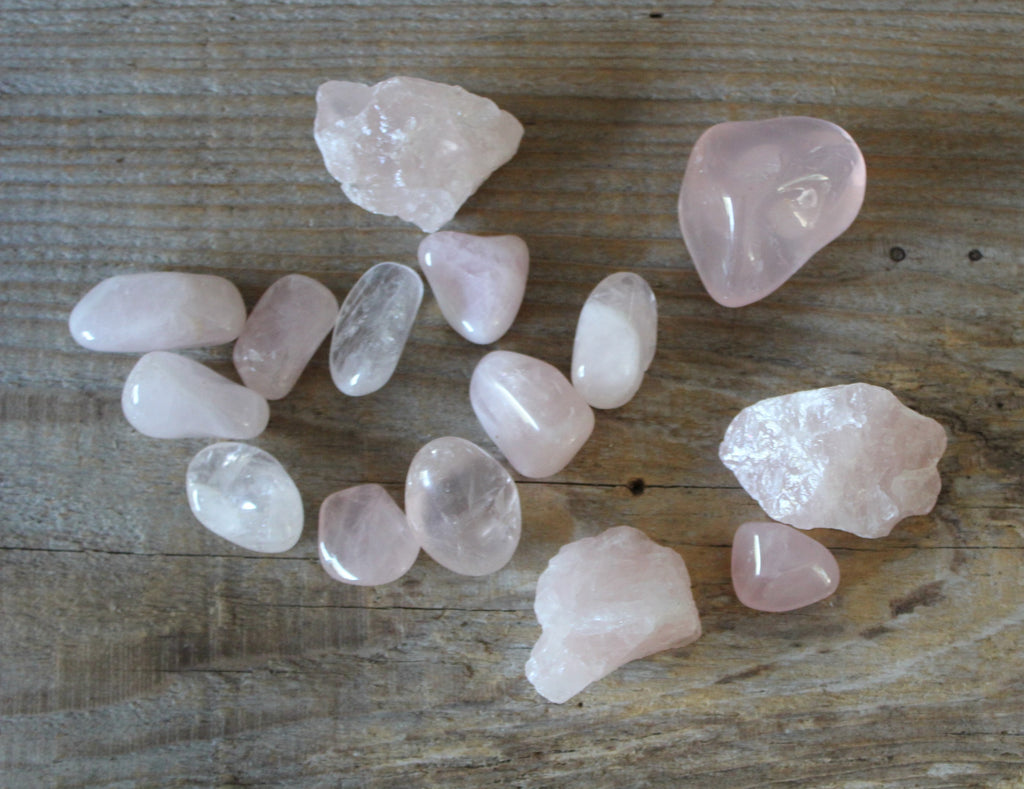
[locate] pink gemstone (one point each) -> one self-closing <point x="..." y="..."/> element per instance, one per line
<point x="478" y="281"/>
<point x="364" y="537"/>
<point x="283" y="332"/>
<point x="776" y="568"/>
<point x="530" y="411"/>
<point x="759" y="198"/>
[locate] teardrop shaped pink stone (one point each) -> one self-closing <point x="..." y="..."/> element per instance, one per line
<point x="777" y="568"/>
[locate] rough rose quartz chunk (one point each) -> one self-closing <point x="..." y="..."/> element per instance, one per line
<point x="244" y="495"/>
<point x="364" y="537"/>
<point x="615" y="340"/>
<point x="604" y="601"/>
<point x="158" y="311"/>
<point x="411" y="148"/>
<point x="373" y="326"/>
<point x="846" y="457"/>
<point x="478" y="281"/>
<point x="171" y="396"/>
<point x="463" y="506"/>
<point x="759" y="198"/>
<point x="776" y="568"/>
<point x="283" y="332"/>
<point x="530" y="411"/>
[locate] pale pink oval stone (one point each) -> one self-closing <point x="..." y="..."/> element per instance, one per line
<point x="478" y="281"/>
<point x="615" y="340"/>
<point x="530" y="411"/>
<point x="463" y="506"/>
<point x="158" y="311"/>
<point x="776" y="568"/>
<point x="364" y="537"/>
<point x="171" y="396"/>
<point x="282" y="333"/>
<point x="759" y="198"/>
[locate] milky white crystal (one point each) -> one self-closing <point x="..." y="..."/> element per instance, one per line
<point x="171" y="396"/>
<point x="845" y="457"/>
<point x="373" y="326"/>
<point x="157" y="311"/>
<point x="463" y="506"/>
<point x="759" y="198"/>
<point x="285" y="328"/>
<point x="244" y="495"/>
<point x="364" y="537"/>
<point x="478" y="281"/>
<point x="615" y="340"/>
<point x="409" y="147"/>
<point x="604" y="601"/>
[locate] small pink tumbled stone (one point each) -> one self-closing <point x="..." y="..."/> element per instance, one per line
<point x="530" y="411"/>
<point x="282" y="333"/>
<point x="759" y="198"/>
<point x="364" y="537"/>
<point x="478" y="281"/>
<point x="776" y="568"/>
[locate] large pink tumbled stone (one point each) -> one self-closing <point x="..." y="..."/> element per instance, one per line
<point x="847" y="457"/>
<point x="283" y="332"/>
<point x="364" y="537"/>
<point x="776" y="568"/>
<point x="158" y="311"/>
<point x="478" y="281"/>
<point x="604" y="601"/>
<point x="530" y="411"/>
<point x="759" y="198"/>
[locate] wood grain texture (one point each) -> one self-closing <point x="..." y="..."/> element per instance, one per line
<point x="136" y="649"/>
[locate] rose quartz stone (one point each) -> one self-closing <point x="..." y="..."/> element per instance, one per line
<point x="283" y="332"/>
<point x="847" y="457"/>
<point x="372" y="327"/>
<point x="759" y="198"/>
<point x="776" y="568"/>
<point x="530" y="411"/>
<point x="478" y="281"/>
<point x="171" y="396"/>
<point x="604" y="601"/>
<point x="615" y="340"/>
<point x="463" y="506"/>
<point x="411" y="148"/>
<point x="364" y="537"/>
<point x="157" y="311"/>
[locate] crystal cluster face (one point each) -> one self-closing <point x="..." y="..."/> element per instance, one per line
<point x="478" y="281"/>
<point x="244" y="495"/>
<point x="845" y="457"/>
<point x="463" y="506"/>
<point x="759" y="198"/>
<point x="604" y="601"/>
<point x="411" y="148"/>
<point x="615" y="340"/>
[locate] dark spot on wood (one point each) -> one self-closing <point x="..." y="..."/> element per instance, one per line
<point x="897" y="254"/>
<point x="655" y="15"/>
<point x="1000" y="404"/>
<point x="636" y="486"/>
<point x="975" y="255"/>
<point x="926" y="595"/>
<point x="746" y="674"/>
<point x="579" y="704"/>
<point x="874" y="632"/>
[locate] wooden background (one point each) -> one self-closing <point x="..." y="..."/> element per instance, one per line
<point x="136" y="649"/>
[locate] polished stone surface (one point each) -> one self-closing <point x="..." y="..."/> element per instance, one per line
<point x="282" y="333"/>
<point x="171" y="396"/>
<point x="463" y="506"/>
<point x="777" y="568"/>
<point x="847" y="457"/>
<point x="604" y="601"/>
<point x="615" y="340"/>
<point x="759" y="198"/>
<point x="373" y="326"/>
<point x="411" y="148"/>
<point x="243" y="494"/>
<point x="530" y="411"/>
<point x="157" y="311"/>
<point x="478" y="281"/>
<point x="364" y="537"/>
